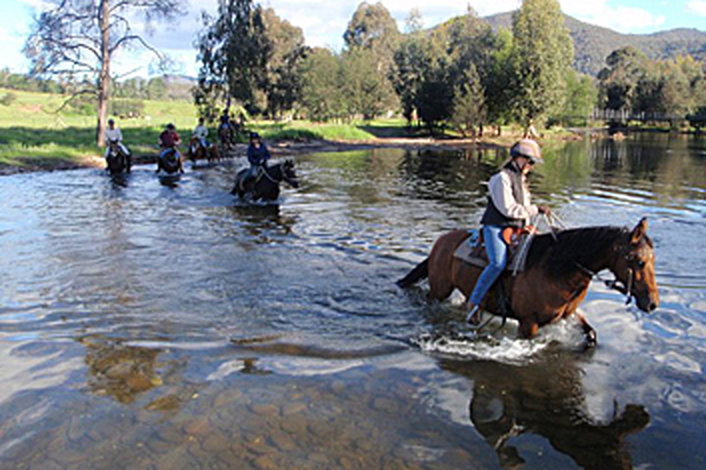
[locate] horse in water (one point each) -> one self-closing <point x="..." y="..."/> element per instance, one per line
<point x="117" y="160"/>
<point x="226" y="137"/>
<point x="169" y="160"/>
<point x="198" y="151"/>
<point x="265" y="185"/>
<point x="558" y="270"/>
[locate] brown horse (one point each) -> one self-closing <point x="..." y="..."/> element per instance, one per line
<point x="556" y="275"/>
<point x="198" y="151"/>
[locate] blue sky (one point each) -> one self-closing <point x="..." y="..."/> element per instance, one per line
<point x="323" y="22"/>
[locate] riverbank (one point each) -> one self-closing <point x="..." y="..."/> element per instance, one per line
<point x="287" y="147"/>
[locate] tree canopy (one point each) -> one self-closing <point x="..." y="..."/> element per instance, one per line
<point x="81" y="37"/>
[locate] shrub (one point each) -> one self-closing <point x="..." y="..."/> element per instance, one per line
<point x="8" y="98"/>
<point x="126" y="109"/>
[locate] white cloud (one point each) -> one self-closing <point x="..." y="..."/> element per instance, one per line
<point x="698" y="6"/>
<point x="619" y="18"/>
<point x="324" y="21"/>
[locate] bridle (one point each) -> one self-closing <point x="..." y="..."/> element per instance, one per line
<point x="284" y="175"/>
<point x="614" y="284"/>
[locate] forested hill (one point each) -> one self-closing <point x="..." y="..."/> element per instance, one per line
<point x="593" y="43"/>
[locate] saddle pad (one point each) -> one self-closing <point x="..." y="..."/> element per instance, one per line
<point x="469" y="254"/>
<point x="472" y="251"/>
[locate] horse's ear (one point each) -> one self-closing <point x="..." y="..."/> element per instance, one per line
<point x="639" y="231"/>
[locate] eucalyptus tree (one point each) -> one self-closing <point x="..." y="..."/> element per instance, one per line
<point x="371" y="35"/>
<point x="321" y="82"/>
<point x="542" y="54"/>
<point x="468" y="109"/>
<point x="410" y="61"/>
<point x="233" y="49"/>
<point x="283" y="82"/>
<point x="82" y="37"/>
<point x="619" y="80"/>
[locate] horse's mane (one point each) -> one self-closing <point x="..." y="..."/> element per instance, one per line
<point x="584" y="246"/>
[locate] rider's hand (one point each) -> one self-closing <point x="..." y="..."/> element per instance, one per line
<point x="544" y="210"/>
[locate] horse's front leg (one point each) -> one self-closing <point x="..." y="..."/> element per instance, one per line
<point x="528" y="328"/>
<point x="588" y="330"/>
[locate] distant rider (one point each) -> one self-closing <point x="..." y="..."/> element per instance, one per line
<point x="113" y="134"/>
<point x="201" y="132"/>
<point x="258" y="154"/>
<point x="509" y="205"/>
<point x="225" y="120"/>
<point x="169" y="140"/>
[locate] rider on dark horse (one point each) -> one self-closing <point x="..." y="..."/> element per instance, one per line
<point x="509" y="206"/>
<point x="113" y="134"/>
<point x="201" y="133"/>
<point x="258" y="154"/>
<point x="168" y="141"/>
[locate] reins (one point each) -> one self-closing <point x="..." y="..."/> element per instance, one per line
<point x="267" y="175"/>
<point x="609" y="283"/>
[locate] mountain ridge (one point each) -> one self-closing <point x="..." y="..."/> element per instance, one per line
<point x="593" y="43"/>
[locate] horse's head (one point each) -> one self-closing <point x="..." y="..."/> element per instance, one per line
<point x="114" y="148"/>
<point x="634" y="266"/>
<point x="289" y="174"/>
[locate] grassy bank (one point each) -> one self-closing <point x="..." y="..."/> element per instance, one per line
<point x="34" y="134"/>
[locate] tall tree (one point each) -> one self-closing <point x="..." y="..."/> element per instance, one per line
<point x="81" y="37"/>
<point x="410" y="61"/>
<point x="542" y="54"/>
<point x="374" y="30"/>
<point x="619" y="79"/>
<point x="469" y="104"/>
<point x="495" y="81"/>
<point x="367" y="93"/>
<point x="372" y="27"/>
<point x="321" y="79"/>
<point x="283" y="85"/>
<point x="234" y="51"/>
<point x="414" y="22"/>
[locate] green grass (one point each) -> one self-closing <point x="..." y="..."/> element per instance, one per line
<point x="34" y="132"/>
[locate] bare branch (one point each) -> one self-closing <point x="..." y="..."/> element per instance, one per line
<point x="84" y="91"/>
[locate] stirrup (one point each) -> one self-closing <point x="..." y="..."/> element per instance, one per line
<point x="474" y="310"/>
<point x="481" y="324"/>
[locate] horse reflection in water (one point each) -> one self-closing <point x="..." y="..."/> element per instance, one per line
<point x="547" y="399"/>
<point x="125" y="372"/>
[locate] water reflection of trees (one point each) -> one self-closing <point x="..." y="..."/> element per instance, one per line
<point x="547" y="399"/>
<point x="666" y="165"/>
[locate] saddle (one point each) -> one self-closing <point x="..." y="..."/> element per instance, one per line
<point x="248" y="183"/>
<point x="472" y="249"/>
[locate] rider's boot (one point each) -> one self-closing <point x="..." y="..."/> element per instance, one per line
<point x="474" y="314"/>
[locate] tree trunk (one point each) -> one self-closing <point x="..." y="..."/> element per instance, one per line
<point x="104" y="77"/>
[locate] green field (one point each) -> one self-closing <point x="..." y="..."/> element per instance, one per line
<point x="34" y="133"/>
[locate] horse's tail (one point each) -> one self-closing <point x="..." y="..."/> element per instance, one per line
<point x="421" y="271"/>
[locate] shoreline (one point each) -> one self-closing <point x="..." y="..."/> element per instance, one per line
<point x="294" y="148"/>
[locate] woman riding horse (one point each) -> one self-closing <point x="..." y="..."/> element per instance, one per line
<point x="266" y="186"/>
<point x="559" y="266"/>
<point x="556" y="276"/>
<point x="509" y="209"/>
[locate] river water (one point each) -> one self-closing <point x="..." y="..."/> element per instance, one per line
<point x="147" y="323"/>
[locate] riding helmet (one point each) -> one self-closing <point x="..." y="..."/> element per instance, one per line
<point x="527" y="148"/>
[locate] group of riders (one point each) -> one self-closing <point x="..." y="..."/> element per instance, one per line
<point x="169" y="158"/>
<point x="509" y="206"/>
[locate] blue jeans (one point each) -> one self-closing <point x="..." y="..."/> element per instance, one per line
<point x="496" y="249"/>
